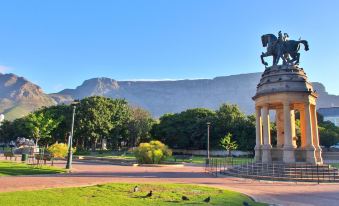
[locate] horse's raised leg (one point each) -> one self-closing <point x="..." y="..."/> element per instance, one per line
<point x="262" y="58"/>
<point x="297" y="55"/>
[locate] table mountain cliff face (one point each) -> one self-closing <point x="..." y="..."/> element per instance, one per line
<point x="18" y="96"/>
<point x="160" y="97"/>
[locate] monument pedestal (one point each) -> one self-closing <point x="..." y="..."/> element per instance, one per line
<point x="266" y="154"/>
<point x="310" y="156"/>
<point x="285" y="89"/>
<point x="258" y="154"/>
<point x="289" y="155"/>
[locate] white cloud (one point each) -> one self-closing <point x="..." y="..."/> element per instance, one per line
<point x="4" y="69"/>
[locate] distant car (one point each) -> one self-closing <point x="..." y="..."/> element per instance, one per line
<point x="336" y="146"/>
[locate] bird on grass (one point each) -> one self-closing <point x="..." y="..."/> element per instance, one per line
<point x="184" y="198"/>
<point x="207" y="200"/>
<point x="136" y="189"/>
<point x="245" y="203"/>
<point x="149" y="194"/>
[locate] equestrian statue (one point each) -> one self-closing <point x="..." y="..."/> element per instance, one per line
<point x="282" y="48"/>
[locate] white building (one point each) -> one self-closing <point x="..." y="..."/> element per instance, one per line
<point x="330" y="114"/>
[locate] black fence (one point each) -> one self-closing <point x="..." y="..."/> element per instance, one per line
<point x="275" y="171"/>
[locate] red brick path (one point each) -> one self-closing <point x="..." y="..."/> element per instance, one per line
<point x="86" y="173"/>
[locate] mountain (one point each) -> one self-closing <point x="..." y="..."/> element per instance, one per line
<point x="161" y="97"/>
<point x="18" y="96"/>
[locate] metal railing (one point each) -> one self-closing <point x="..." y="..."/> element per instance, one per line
<point x="275" y="171"/>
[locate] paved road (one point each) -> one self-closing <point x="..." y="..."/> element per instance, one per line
<point x="86" y="173"/>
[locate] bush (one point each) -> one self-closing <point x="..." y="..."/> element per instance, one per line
<point x="58" y="150"/>
<point x="82" y="152"/>
<point x="153" y="152"/>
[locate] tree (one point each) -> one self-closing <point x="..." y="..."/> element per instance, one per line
<point x="186" y="130"/>
<point x="139" y="126"/>
<point x="229" y="119"/>
<point x="328" y="134"/>
<point x="63" y="115"/>
<point x="227" y="143"/>
<point x="7" y="132"/>
<point x="100" y="117"/>
<point x="40" y="125"/>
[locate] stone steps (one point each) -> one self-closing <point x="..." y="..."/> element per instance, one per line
<point x="291" y="172"/>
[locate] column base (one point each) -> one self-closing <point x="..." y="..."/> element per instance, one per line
<point x="266" y="154"/>
<point x="310" y="155"/>
<point x="257" y="156"/>
<point x="288" y="155"/>
<point x="318" y="155"/>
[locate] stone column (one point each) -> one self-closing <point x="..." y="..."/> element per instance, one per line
<point x="288" y="153"/>
<point x="293" y="131"/>
<point x="310" y="150"/>
<point x="259" y="140"/>
<point x="266" y="148"/>
<point x="303" y="128"/>
<point x="280" y="127"/>
<point x="315" y="134"/>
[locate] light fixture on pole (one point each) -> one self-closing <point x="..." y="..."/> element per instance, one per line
<point x="208" y="140"/>
<point x="70" y="139"/>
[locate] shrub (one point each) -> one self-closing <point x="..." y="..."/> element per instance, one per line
<point x="82" y="152"/>
<point x="153" y="152"/>
<point x="58" y="150"/>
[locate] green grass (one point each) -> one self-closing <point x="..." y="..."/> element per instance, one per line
<point x="202" y="159"/>
<point x="336" y="165"/>
<point x="122" y="195"/>
<point x="13" y="169"/>
<point x="195" y="159"/>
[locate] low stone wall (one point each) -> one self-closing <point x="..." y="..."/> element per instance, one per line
<point x="331" y="155"/>
<point x="105" y="159"/>
<point x="212" y="152"/>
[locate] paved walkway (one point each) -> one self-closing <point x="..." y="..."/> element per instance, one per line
<point x="86" y="173"/>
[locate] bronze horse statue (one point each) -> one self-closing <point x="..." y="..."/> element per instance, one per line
<point x="280" y="48"/>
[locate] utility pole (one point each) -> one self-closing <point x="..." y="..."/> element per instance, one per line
<point x="208" y="140"/>
<point x="70" y="140"/>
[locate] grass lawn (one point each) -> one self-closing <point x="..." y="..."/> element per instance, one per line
<point x="195" y="159"/>
<point x="123" y="195"/>
<point x="336" y="165"/>
<point x="8" y="168"/>
<point x="202" y="159"/>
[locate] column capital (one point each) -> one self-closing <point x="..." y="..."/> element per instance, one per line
<point x="286" y="103"/>
<point x="266" y="105"/>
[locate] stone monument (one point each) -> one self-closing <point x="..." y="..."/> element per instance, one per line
<point x="286" y="90"/>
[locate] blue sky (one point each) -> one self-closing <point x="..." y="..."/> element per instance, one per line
<point x="59" y="44"/>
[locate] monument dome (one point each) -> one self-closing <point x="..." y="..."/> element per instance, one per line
<point x="283" y="78"/>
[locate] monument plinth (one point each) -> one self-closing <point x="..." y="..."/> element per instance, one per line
<point x="286" y="90"/>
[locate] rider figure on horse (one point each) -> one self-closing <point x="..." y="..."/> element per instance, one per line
<point x="280" y="45"/>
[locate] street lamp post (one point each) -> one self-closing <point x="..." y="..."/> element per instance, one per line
<point x="208" y="140"/>
<point x="70" y="140"/>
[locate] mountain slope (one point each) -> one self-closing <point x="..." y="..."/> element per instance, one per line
<point x="18" y="96"/>
<point x="161" y="97"/>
